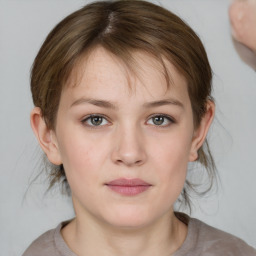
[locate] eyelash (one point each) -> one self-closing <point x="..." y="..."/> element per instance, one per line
<point x="169" y="119"/>
<point x="89" y="118"/>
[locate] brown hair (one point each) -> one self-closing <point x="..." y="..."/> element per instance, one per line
<point x="122" y="27"/>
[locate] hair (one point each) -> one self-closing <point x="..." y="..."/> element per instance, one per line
<point x="122" y="28"/>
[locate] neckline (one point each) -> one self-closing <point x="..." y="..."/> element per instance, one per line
<point x="59" y="241"/>
<point x="189" y="242"/>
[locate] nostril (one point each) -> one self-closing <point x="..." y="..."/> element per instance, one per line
<point x="128" y="159"/>
<point x="139" y="162"/>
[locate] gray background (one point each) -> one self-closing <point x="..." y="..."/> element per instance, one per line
<point x="25" y="214"/>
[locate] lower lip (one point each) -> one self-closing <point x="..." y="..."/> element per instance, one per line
<point x="129" y="190"/>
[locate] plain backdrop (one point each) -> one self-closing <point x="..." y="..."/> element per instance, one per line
<point x="26" y="212"/>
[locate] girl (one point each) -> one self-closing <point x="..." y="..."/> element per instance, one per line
<point x="122" y="94"/>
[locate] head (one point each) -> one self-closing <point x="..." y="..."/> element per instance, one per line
<point x="139" y="41"/>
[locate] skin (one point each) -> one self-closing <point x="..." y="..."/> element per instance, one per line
<point x="127" y="144"/>
<point x="242" y="14"/>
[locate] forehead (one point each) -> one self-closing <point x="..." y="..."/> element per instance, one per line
<point x="100" y="71"/>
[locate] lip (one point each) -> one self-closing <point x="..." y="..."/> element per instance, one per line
<point x="128" y="187"/>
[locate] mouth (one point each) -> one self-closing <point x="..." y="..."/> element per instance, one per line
<point x="128" y="187"/>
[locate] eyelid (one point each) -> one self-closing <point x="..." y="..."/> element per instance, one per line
<point x="86" y="118"/>
<point x="168" y="117"/>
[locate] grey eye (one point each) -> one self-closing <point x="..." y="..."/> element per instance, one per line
<point x="158" y="120"/>
<point x="96" y="120"/>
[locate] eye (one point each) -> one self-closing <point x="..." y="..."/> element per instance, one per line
<point x="160" y="120"/>
<point x="95" y="120"/>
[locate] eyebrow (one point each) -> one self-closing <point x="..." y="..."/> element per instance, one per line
<point x="163" y="103"/>
<point x="108" y="104"/>
<point x="99" y="103"/>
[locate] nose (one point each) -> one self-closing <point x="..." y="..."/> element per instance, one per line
<point x="129" y="147"/>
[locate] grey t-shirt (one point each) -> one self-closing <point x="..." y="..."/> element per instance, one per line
<point x="201" y="240"/>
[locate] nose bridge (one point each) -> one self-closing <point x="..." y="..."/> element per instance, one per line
<point x="129" y="146"/>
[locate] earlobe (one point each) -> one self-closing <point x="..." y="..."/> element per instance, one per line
<point x="202" y="130"/>
<point x="45" y="136"/>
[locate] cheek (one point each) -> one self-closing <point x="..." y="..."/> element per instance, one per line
<point x="171" y="160"/>
<point x="81" y="159"/>
<point x="172" y="150"/>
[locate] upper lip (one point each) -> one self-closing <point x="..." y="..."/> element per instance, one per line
<point x="128" y="182"/>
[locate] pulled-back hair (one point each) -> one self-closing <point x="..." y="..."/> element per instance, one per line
<point x="122" y="28"/>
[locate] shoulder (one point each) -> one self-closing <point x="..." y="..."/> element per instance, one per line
<point x="43" y="245"/>
<point x="212" y="241"/>
<point x="204" y="240"/>
<point x="50" y="243"/>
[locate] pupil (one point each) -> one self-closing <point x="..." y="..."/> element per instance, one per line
<point x="158" y="120"/>
<point x="96" y="120"/>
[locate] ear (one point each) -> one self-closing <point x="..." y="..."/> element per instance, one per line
<point x="202" y="130"/>
<point x="45" y="136"/>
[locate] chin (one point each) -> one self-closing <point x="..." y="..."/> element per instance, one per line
<point x="129" y="217"/>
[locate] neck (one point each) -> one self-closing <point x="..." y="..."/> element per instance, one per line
<point x="163" y="237"/>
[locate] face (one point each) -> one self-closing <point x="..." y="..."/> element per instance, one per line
<point x="144" y="136"/>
